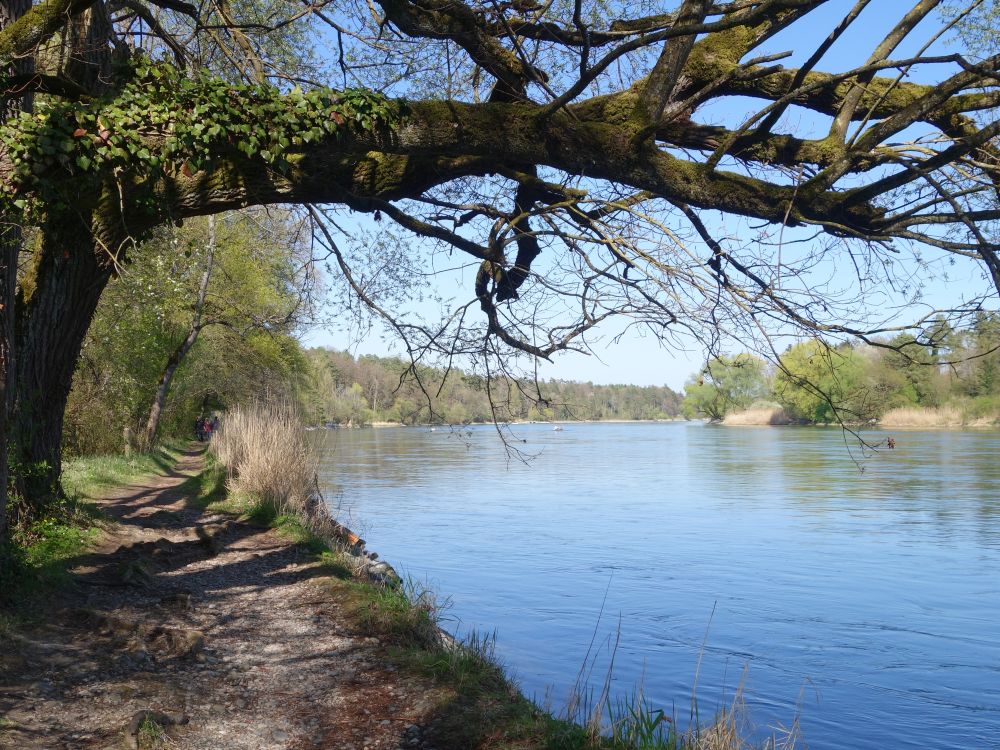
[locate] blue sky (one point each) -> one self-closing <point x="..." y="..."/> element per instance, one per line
<point x="630" y="357"/>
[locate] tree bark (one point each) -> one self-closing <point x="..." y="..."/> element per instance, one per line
<point x="55" y="306"/>
<point x="177" y="356"/>
<point x="10" y="247"/>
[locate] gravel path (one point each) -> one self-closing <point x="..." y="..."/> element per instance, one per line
<point x="224" y="634"/>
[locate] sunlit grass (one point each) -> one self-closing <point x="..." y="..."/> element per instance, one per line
<point x="89" y="476"/>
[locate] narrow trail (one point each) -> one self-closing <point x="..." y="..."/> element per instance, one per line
<point x="220" y="631"/>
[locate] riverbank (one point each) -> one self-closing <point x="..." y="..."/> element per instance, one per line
<point x="190" y="627"/>
<point x="915" y="418"/>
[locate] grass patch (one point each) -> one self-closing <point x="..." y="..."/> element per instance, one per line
<point x="89" y="476"/>
<point x="487" y="710"/>
<point x="920" y="416"/>
<point x="40" y="555"/>
<point x="764" y="414"/>
<point x="151" y="736"/>
<point x="398" y="615"/>
<point x="978" y="412"/>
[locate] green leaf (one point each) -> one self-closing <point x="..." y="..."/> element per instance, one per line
<point x="83" y="162"/>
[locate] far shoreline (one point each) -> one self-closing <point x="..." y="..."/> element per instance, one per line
<point x="980" y="426"/>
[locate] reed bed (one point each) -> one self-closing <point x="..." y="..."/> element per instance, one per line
<point x="759" y="415"/>
<point x="918" y="416"/>
<point x="268" y="461"/>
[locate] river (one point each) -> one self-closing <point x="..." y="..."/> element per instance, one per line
<point x="859" y="593"/>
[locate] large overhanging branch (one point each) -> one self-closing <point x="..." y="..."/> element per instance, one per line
<point x="430" y="143"/>
<point x="464" y="138"/>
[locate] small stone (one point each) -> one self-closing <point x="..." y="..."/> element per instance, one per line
<point x="279" y="735"/>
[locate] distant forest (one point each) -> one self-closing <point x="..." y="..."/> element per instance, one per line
<point x="355" y="391"/>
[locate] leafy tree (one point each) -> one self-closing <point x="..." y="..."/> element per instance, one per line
<point x="727" y="384"/>
<point x="821" y="384"/>
<point x="570" y="153"/>
<point x="915" y="366"/>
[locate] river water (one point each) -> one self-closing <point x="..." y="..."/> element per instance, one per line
<point x="861" y="594"/>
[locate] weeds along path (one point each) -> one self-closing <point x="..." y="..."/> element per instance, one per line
<point x="191" y="630"/>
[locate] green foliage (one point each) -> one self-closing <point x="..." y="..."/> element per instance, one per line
<point x="823" y="384"/>
<point x="940" y="366"/>
<point x="909" y="373"/>
<point x="977" y="26"/>
<point x="151" y="735"/>
<point x="253" y="305"/>
<point x="163" y="122"/>
<point x="637" y="725"/>
<point x="727" y="384"/>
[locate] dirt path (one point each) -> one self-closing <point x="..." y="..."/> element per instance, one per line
<point x="222" y="632"/>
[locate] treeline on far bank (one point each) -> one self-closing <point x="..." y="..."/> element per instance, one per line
<point x="345" y="390"/>
<point x="938" y="377"/>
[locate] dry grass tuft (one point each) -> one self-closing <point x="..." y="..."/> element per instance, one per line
<point x="919" y="416"/>
<point x="264" y="449"/>
<point x="759" y="415"/>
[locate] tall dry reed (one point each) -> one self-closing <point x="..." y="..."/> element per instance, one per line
<point x="920" y="416"/>
<point x="264" y="449"/>
<point x="759" y="415"/>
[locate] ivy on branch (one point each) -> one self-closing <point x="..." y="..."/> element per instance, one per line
<point x="162" y="123"/>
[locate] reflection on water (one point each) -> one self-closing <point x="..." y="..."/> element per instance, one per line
<point x="875" y="594"/>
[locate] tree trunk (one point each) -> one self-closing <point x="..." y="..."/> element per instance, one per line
<point x="56" y="305"/>
<point x="177" y="356"/>
<point x="10" y="248"/>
